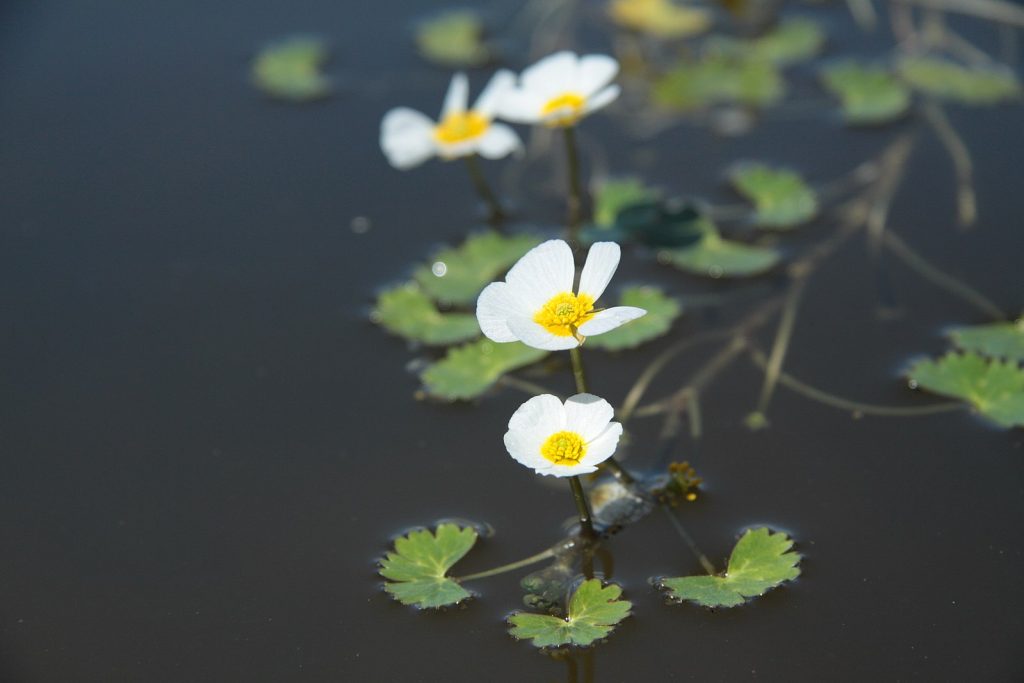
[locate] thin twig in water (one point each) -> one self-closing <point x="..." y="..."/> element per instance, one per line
<point x="967" y="207"/>
<point x="688" y="539"/>
<point x="993" y="10"/>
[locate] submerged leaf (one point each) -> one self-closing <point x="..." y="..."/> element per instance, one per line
<point x="716" y="257"/>
<point x="999" y="340"/>
<point x="869" y="94"/>
<point x="760" y="561"/>
<point x="781" y="197"/>
<point x="453" y="39"/>
<point x="966" y="84"/>
<point x="662" y="19"/>
<point x="416" y="569"/>
<point x="794" y="40"/>
<point x="615" y="195"/>
<point x="995" y="388"/>
<point x="470" y="370"/>
<point x="657" y="223"/>
<point x="593" y="613"/>
<point x="661" y="311"/>
<point x="408" y="312"/>
<point x="290" y="69"/>
<point x="458" y="275"/>
<point x="719" y="79"/>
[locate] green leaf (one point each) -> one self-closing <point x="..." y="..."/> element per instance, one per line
<point x="781" y="197"/>
<point x="951" y="81"/>
<point x="614" y="195"/>
<point x="416" y="570"/>
<point x="760" y="561"/>
<point x="794" y="40"/>
<point x="998" y="340"/>
<point x="594" y="611"/>
<point x="869" y="94"/>
<point x="719" y="79"/>
<point x="408" y="312"/>
<point x="995" y="388"/>
<point x="661" y="19"/>
<point x="661" y="311"/>
<point x="716" y="257"/>
<point x="457" y="275"/>
<point x="290" y="69"/>
<point x="453" y="39"/>
<point x="470" y="370"/>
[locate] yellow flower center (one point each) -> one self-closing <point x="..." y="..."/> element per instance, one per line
<point x="461" y="126"/>
<point x="564" y="448"/>
<point x="568" y="106"/>
<point x="565" y="312"/>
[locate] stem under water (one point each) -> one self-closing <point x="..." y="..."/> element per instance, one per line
<point x="497" y="215"/>
<point x="688" y="539"/>
<point x="582" y="507"/>
<point x="575" y="199"/>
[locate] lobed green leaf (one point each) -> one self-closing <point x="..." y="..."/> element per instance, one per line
<point x="995" y="388"/>
<point x="978" y="85"/>
<point x="453" y="39"/>
<point x="409" y="313"/>
<point x="469" y="370"/>
<point x="781" y="198"/>
<point x="416" y="569"/>
<point x="457" y="275"/>
<point x="661" y="310"/>
<point x="290" y="69"/>
<point x="716" y="257"/>
<point x="998" y="340"/>
<point x="868" y="94"/>
<point x="593" y="613"/>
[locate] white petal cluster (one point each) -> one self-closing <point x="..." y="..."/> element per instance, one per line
<point x="585" y="416"/>
<point x="515" y="310"/>
<point x="561" y="89"/>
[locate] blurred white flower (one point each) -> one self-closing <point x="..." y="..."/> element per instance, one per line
<point x="409" y="138"/>
<point x="561" y="89"/>
<point x="563" y="440"/>
<point x="536" y="304"/>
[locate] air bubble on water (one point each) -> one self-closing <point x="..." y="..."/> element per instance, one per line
<point x="716" y="271"/>
<point x="361" y="225"/>
<point x="440" y="268"/>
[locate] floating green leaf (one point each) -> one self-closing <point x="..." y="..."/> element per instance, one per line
<point x="594" y="611"/>
<point x="966" y="84"/>
<point x="457" y="276"/>
<point x="470" y="370"/>
<point x="717" y="257"/>
<point x="453" y="39"/>
<point x="290" y="69"/>
<point x="660" y="18"/>
<point x="408" y="312"/>
<point x="869" y="94"/>
<point x="416" y="570"/>
<point x="794" y="40"/>
<point x="719" y="79"/>
<point x="661" y="311"/>
<point x="614" y="195"/>
<point x="995" y="388"/>
<point x="760" y="561"/>
<point x="781" y="197"/>
<point x="998" y="340"/>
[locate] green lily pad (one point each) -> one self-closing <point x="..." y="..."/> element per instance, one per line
<point x="453" y="39"/>
<point x="869" y="94"/>
<point x="661" y="311"/>
<point x="719" y="79"/>
<point x="760" y="561"/>
<point x="416" y="569"/>
<point x="458" y="275"/>
<point x="716" y="257"/>
<point x="995" y="388"/>
<point x="661" y="19"/>
<point x="998" y="340"/>
<point x="408" y="312"/>
<point x="781" y="197"/>
<point x="468" y="371"/>
<point x="794" y="40"/>
<point x="615" y="195"/>
<point x="594" y="611"/>
<point x="290" y="69"/>
<point x="965" y="84"/>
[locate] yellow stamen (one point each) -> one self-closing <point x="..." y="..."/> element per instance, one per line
<point x="568" y="106"/>
<point x="461" y="126"/>
<point x="565" y="312"/>
<point x="564" y="448"/>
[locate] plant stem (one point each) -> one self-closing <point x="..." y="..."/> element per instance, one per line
<point x="688" y="539"/>
<point x="483" y="189"/>
<point x="575" y="193"/>
<point x="581" y="388"/>
<point x="583" y="507"/>
<point x="512" y="566"/>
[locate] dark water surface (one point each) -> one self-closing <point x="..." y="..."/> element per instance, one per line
<point x="206" y="445"/>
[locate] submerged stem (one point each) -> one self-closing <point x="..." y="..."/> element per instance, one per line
<point x="575" y="199"/>
<point x="511" y="566"/>
<point x="483" y="189"/>
<point x="781" y="344"/>
<point x="688" y="539"/>
<point x="582" y="507"/>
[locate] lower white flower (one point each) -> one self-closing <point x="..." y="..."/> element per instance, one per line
<point x="563" y="440"/>
<point x="409" y="138"/>
<point x="561" y="89"/>
<point x="536" y="304"/>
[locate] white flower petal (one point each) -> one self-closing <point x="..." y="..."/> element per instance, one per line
<point x="546" y="270"/>
<point x="520" y="106"/>
<point x="500" y="84"/>
<point x="602" y="99"/>
<point x="457" y="150"/>
<point x="538" y="418"/>
<point x="602" y="260"/>
<point x="407" y="137"/>
<point x="532" y="334"/>
<point x="565" y="471"/>
<point x="493" y="309"/>
<point x="609" y="319"/>
<point x="595" y="72"/>
<point x="588" y="415"/>
<point x="525" y="450"/>
<point x="552" y="75"/>
<point x="499" y="141"/>
<point x="602" y="447"/>
<point x="457" y="98"/>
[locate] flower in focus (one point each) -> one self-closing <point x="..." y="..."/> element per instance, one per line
<point x="409" y="138"/>
<point x="561" y="89"/>
<point x="563" y="440"/>
<point x="536" y="305"/>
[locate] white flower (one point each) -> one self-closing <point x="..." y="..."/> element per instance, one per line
<point x="561" y="89"/>
<point x="536" y="304"/>
<point x="409" y="138"/>
<point x="563" y="440"/>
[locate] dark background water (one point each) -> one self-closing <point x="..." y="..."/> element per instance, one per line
<point x="206" y="445"/>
